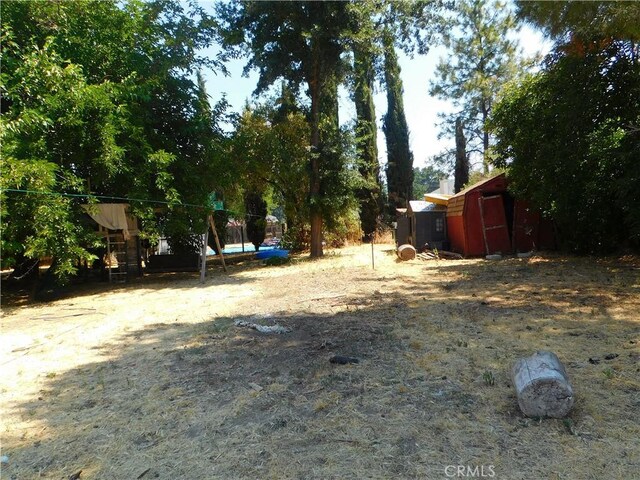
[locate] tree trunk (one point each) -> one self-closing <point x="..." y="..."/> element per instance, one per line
<point x="542" y="386"/>
<point x="462" y="163"/>
<point x="316" y="235"/>
<point x="314" y="188"/>
<point x="485" y="139"/>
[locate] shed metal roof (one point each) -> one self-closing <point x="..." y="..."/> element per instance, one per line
<point x="422" y="206"/>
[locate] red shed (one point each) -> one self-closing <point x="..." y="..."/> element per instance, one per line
<point x="486" y="219"/>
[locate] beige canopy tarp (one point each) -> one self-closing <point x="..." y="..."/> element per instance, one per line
<point x="112" y="216"/>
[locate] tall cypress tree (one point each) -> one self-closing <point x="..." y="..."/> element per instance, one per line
<point x="369" y="193"/>
<point x="396" y="131"/>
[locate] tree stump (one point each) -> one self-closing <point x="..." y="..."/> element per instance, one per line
<point x="542" y="386"/>
<point x="406" y="252"/>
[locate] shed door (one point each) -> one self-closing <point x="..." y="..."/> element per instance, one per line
<point x="526" y="224"/>
<point x="494" y="225"/>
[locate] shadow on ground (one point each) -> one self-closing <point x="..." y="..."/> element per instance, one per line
<point x="19" y="296"/>
<point x="217" y="400"/>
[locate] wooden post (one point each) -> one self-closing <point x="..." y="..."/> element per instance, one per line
<point x="514" y="247"/>
<point x="203" y="267"/>
<point x="109" y="255"/>
<point x="215" y="236"/>
<point x="373" y="260"/>
<point x="542" y="386"/>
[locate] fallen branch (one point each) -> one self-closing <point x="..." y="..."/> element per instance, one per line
<point x="143" y="473"/>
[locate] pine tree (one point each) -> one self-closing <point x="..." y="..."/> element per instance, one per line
<point x="481" y="59"/>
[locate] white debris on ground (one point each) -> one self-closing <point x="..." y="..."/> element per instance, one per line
<point x="263" y="328"/>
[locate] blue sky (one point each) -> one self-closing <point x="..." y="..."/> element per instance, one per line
<point x="420" y="108"/>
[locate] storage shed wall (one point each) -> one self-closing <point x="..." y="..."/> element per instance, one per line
<point x="465" y="225"/>
<point x="455" y="227"/>
<point x="513" y="226"/>
<point x="430" y="228"/>
<point x="403" y="234"/>
<point x="455" y="224"/>
<point x="474" y="240"/>
<point x="464" y="219"/>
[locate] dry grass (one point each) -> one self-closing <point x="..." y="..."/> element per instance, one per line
<point x="154" y="380"/>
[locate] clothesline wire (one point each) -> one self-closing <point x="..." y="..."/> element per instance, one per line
<point x="107" y="197"/>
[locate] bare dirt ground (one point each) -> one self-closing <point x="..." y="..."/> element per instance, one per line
<point x="154" y="379"/>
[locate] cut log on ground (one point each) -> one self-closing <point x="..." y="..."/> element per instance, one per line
<point x="406" y="252"/>
<point x="542" y="386"/>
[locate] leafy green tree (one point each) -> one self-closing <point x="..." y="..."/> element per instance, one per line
<point x="570" y="140"/>
<point x="585" y="174"/>
<point x="378" y="27"/>
<point x="425" y="180"/>
<point x="339" y="177"/>
<point x="44" y="105"/>
<point x="482" y="58"/>
<point x="583" y="19"/>
<point x="302" y="43"/>
<point x="97" y="102"/>
<point x="384" y="27"/>
<point x="414" y="26"/>
<point x="269" y="150"/>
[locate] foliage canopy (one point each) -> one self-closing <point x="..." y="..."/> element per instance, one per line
<point x="570" y="134"/>
<point x="99" y="102"/>
<point x="301" y="43"/>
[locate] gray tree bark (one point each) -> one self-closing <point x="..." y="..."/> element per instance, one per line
<point x="542" y="386"/>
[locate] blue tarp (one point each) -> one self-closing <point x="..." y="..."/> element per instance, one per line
<point x="231" y="250"/>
